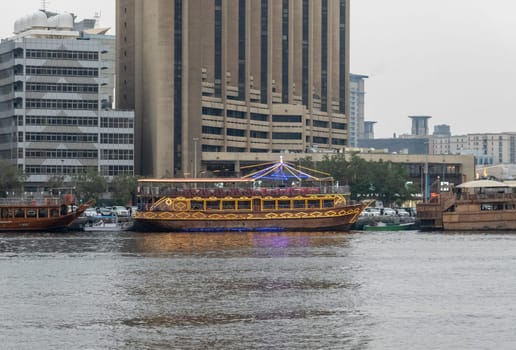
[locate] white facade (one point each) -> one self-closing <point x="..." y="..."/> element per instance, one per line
<point x="488" y="148"/>
<point x="56" y="92"/>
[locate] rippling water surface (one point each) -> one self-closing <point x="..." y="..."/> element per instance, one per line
<point x="364" y="290"/>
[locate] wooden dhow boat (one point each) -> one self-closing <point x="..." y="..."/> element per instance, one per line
<point x="479" y="205"/>
<point x="38" y="214"/>
<point x="277" y="198"/>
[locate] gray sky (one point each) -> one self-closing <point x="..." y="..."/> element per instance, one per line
<point x="454" y="60"/>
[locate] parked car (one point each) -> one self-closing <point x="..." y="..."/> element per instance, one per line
<point x="373" y="211"/>
<point x="104" y="211"/>
<point x="389" y="212"/>
<point x="90" y="212"/>
<point x="403" y="212"/>
<point x="120" y="210"/>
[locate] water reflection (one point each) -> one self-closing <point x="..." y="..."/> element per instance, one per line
<point x="199" y="242"/>
<point x="182" y="290"/>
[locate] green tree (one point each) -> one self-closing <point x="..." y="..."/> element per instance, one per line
<point x="11" y="178"/>
<point x="123" y="188"/>
<point x="385" y="181"/>
<point x="55" y="182"/>
<point x="90" y="185"/>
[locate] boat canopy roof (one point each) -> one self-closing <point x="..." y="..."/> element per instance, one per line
<point x="482" y="184"/>
<point x="196" y="180"/>
<point x="284" y="171"/>
<point x="277" y="171"/>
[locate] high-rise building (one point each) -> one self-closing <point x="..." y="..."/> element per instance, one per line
<point x="56" y="93"/>
<point x="220" y="80"/>
<point x="356" y="127"/>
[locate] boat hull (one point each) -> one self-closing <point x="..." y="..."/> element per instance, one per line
<point x="480" y="220"/>
<point x="334" y="219"/>
<point x="390" y="227"/>
<point x="40" y="224"/>
<point x="491" y="211"/>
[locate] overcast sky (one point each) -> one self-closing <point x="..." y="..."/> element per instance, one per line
<point x="454" y="60"/>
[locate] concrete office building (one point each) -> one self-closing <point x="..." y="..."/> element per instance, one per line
<point x="216" y="81"/>
<point x="56" y="88"/>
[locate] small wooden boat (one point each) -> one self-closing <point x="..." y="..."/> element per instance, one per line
<point x="277" y="198"/>
<point x="107" y="224"/>
<point x="42" y="214"/>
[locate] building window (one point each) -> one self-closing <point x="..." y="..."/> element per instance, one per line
<point x="63" y="55"/>
<point x="284" y="53"/>
<point x="286" y="136"/>
<point x="264" y="83"/>
<point x="259" y="134"/>
<point x="235" y="114"/>
<point x="117" y="139"/>
<point x="218" y="48"/>
<point x="259" y="117"/>
<point x="235" y="132"/>
<point x="287" y="119"/>
<point x="62" y="71"/>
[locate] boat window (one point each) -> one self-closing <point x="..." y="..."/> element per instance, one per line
<point x="227" y="205"/>
<point x="328" y="203"/>
<point x="213" y="205"/>
<point x="244" y="205"/>
<point x="269" y="204"/>
<point x="43" y="213"/>
<point x="197" y="205"/>
<point x="299" y="204"/>
<point x="5" y="212"/>
<point x="314" y="203"/>
<point x="284" y="204"/>
<point x="486" y="207"/>
<point x="31" y="213"/>
<point x="54" y="212"/>
<point x="19" y="213"/>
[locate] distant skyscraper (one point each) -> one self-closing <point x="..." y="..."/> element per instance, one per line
<point x="222" y="80"/>
<point x="56" y="88"/>
<point x="356" y="108"/>
<point x="442" y="130"/>
<point x="368" y="130"/>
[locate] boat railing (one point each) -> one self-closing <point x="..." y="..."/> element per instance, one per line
<point x="252" y="192"/>
<point x="486" y="196"/>
<point x="14" y="201"/>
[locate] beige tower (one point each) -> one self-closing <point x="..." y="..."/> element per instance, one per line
<point x="214" y="80"/>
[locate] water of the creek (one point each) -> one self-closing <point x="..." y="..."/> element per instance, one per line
<point x="325" y="290"/>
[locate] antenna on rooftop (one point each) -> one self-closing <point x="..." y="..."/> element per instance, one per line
<point x="97" y="16"/>
<point x="44" y="4"/>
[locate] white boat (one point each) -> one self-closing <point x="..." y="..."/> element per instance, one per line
<point x="107" y="224"/>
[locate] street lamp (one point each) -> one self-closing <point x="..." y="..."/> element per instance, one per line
<point x="195" y="140"/>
